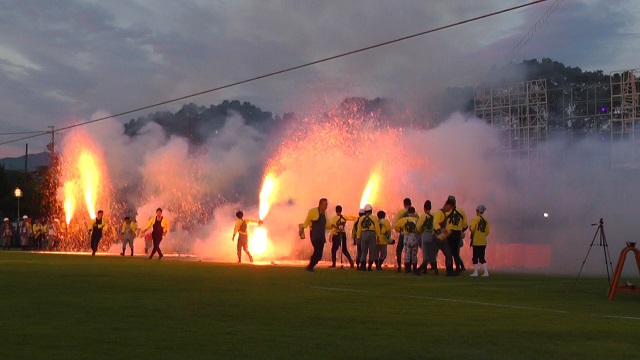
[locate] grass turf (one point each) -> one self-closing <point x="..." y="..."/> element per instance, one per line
<point x="62" y="307"/>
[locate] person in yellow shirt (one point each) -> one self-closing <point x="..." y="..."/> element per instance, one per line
<point x="480" y="229"/>
<point x="406" y="203"/>
<point x="429" y="246"/>
<point x="243" y="238"/>
<point x="384" y="238"/>
<point x="95" y="230"/>
<point x="39" y="232"/>
<point x="368" y="233"/>
<point x="457" y="225"/>
<point x="408" y="226"/>
<point x="441" y="233"/>
<point x="159" y="226"/>
<point x="356" y="241"/>
<point x="318" y="222"/>
<point x="339" y="236"/>
<point x="128" y="233"/>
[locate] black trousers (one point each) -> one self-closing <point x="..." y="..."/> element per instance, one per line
<point x="478" y="254"/>
<point x="399" y="249"/>
<point x="339" y="241"/>
<point x="94" y="243"/>
<point x="454" y="246"/>
<point x="318" y="248"/>
<point x="156" y="246"/>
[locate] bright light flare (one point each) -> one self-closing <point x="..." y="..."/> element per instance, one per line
<point x="371" y="190"/>
<point x="259" y="242"/>
<point x="90" y="178"/>
<point x="267" y="195"/>
<point x="545" y="215"/>
<point x="69" y="200"/>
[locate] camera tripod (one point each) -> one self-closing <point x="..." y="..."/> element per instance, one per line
<point x="603" y="243"/>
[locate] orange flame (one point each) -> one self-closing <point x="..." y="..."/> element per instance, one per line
<point x="267" y="195"/>
<point x="90" y="178"/>
<point x="259" y="242"/>
<point x="69" y="200"/>
<point x="371" y="190"/>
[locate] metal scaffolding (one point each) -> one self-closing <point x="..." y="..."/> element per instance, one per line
<point x="521" y="111"/>
<point x="625" y="124"/>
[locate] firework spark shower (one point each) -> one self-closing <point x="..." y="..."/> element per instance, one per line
<point x="349" y="160"/>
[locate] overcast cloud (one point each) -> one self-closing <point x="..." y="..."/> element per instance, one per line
<point x="61" y="61"/>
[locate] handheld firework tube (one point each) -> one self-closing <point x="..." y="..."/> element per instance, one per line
<point x="301" y="231"/>
<point x="443" y="235"/>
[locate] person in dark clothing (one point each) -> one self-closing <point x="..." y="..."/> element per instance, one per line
<point x="318" y="222"/>
<point x="96" y="231"/>
<point x="407" y="204"/>
<point x="339" y="236"/>
<point x="160" y="227"/>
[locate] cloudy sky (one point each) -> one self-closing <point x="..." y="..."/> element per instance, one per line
<point x="61" y="61"/>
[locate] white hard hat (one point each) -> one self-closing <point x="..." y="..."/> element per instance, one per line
<point x="368" y="207"/>
<point x="6" y="219"/>
<point x="25" y="217"/>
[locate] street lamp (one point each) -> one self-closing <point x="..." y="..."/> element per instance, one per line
<point x="18" y="194"/>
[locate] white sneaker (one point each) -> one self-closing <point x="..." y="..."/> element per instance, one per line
<point x="475" y="274"/>
<point x="486" y="274"/>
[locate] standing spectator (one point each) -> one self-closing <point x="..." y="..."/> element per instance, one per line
<point x="7" y="234"/>
<point x="53" y="229"/>
<point x="429" y="246"/>
<point x="26" y="232"/>
<point x="39" y="233"/>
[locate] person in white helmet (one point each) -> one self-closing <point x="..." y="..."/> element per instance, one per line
<point x="480" y="229"/>
<point x="368" y="233"/>
<point x="7" y="234"/>
<point x="356" y="241"/>
<point x="26" y="232"/>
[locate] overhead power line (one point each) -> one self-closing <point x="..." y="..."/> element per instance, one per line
<point x="525" y="39"/>
<point x="513" y="8"/>
<point x="24" y="132"/>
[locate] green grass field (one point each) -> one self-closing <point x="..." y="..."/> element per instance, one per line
<point x="79" y="307"/>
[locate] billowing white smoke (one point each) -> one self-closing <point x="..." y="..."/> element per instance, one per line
<point x="575" y="186"/>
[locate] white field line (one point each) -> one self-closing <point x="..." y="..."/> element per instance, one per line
<point x="618" y="317"/>
<point x="475" y="303"/>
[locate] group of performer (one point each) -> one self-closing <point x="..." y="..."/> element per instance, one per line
<point x="442" y="230"/>
<point x="159" y="226"/>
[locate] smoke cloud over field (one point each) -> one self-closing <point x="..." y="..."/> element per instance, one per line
<point x="202" y="187"/>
